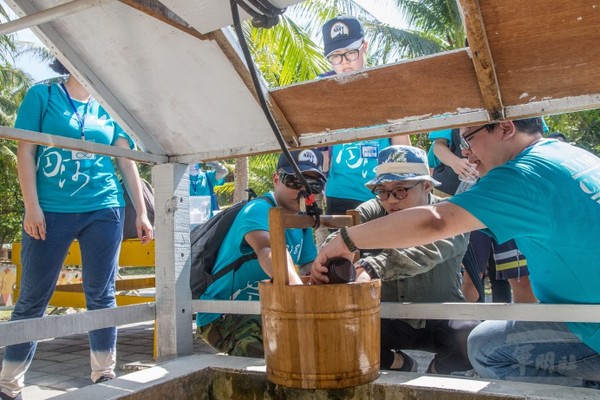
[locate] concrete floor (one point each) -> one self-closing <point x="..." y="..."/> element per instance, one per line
<point x="62" y="365"/>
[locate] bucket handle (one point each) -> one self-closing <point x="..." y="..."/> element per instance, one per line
<point x="279" y="221"/>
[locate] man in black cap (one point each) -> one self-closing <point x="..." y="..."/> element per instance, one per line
<point x="241" y="335"/>
<point x="349" y="165"/>
<point x="344" y="44"/>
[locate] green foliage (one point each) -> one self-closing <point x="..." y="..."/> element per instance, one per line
<point x="14" y="84"/>
<point x="260" y="178"/>
<point x="11" y="206"/>
<point x="581" y="128"/>
<point x="298" y="58"/>
<point x="262" y="168"/>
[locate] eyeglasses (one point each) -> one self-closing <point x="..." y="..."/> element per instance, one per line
<point x="465" y="140"/>
<point x="292" y="182"/>
<point x="350" y="55"/>
<point x="400" y="193"/>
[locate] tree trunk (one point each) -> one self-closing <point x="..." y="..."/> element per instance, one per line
<point x="241" y="179"/>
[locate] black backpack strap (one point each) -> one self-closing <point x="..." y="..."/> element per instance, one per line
<point x="234" y="266"/>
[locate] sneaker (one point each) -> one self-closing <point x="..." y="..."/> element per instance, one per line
<point x="5" y="396"/>
<point x="103" y="378"/>
<point x="410" y="364"/>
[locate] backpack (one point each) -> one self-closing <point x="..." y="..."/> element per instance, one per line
<point x="129" y="228"/>
<point x="205" y="242"/>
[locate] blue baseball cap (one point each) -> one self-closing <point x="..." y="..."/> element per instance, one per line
<point x="401" y="163"/>
<point x="307" y="161"/>
<point x="343" y="32"/>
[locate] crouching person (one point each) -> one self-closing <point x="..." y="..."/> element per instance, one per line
<point x="429" y="273"/>
<point x="241" y="335"/>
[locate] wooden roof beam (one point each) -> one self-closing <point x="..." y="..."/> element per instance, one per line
<point x="482" y="58"/>
<point x="49" y="14"/>
<point x="226" y="42"/>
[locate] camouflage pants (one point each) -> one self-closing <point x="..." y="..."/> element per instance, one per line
<point x="236" y="335"/>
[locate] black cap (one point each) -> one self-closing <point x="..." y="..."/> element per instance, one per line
<point x="307" y="161"/>
<point x="343" y="32"/>
<point x="58" y="67"/>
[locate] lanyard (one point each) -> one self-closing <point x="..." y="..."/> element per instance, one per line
<point x="80" y="119"/>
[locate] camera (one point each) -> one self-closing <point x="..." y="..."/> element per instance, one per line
<point x="340" y="270"/>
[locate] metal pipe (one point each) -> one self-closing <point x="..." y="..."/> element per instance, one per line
<point x="50" y="14"/>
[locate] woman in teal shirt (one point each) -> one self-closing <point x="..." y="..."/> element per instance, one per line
<point x="68" y="195"/>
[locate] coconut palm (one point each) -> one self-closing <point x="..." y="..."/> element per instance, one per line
<point x="13" y="86"/>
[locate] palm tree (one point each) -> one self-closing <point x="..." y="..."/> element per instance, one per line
<point x="14" y="83"/>
<point x="288" y="53"/>
<point x="437" y="20"/>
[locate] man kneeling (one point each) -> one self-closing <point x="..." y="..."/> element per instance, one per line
<point x="422" y="274"/>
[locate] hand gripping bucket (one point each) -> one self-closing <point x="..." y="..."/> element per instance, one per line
<point x="317" y="336"/>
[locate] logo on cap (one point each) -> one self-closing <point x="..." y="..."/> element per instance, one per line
<point x="309" y="156"/>
<point x="339" y="29"/>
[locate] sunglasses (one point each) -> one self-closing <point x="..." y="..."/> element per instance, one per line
<point x="400" y="193"/>
<point x="292" y="182"/>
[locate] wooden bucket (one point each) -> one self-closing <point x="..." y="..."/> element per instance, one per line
<point x="317" y="336"/>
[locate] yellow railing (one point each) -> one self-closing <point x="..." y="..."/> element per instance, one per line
<point x="133" y="254"/>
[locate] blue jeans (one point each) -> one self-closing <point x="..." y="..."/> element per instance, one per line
<point x="99" y="234"/>
<point x="541" y="352"/>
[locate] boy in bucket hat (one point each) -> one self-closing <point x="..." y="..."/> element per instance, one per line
<point x="241" y="335"/>
<point x="349" y="165"/>
<point x="423" y="274"/>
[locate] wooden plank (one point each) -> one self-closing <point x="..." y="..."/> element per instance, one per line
<point x="121" y="285"/>
<point x="306" y="221"/>
<point x="428" y="86"/>
<point x="49" y="14"/>
<point x="464" y="311"/>
<point x="77" y="144"/>
<point x="211" y="15"/>
<point x="14" y="332"/>
<point x="416" y="125"/>
<point x="279" y="271"/>
<point x="482" y="58"/>
<point x="231" y="49"/>
<point x="544" y="50"/>
<point x="132" y="254"/>
<point x="88" y="77"/>
<point x="62" y="298"/>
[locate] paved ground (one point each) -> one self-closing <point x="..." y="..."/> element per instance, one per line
<point x="62" y="365"/>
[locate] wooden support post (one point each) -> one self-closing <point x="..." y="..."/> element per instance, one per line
<point x="173" y="296"/>
<point x="482" y="58"/>
<point x="278" y="249"/>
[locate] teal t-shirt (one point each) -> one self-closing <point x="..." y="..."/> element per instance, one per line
<point x="548" y="199"/>
<point x="351" y="166"/>
<point x="432" y="159"/>
<point x="199" y="186"/>
<point x="71" y="180"/>
<point x="243" y="283"/>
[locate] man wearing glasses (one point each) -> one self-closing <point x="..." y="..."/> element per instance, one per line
<point x="241" y="335"/>
<point x="422" y="274"/>
<point x="546" y="195"/>
<point x="349" y="165"/>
